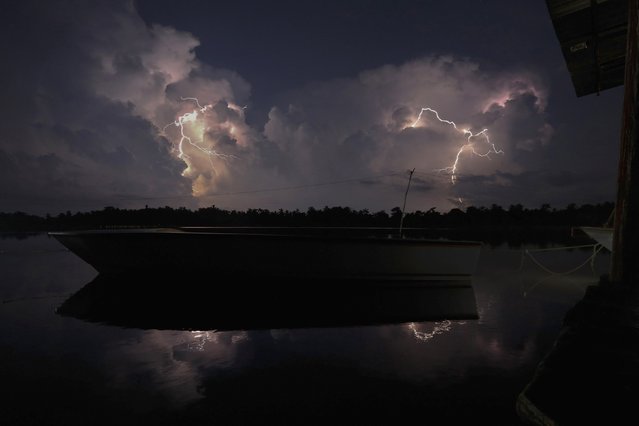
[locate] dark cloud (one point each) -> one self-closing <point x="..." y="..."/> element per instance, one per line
<point x="61" y="138"/>
<point x="535" y="187"/>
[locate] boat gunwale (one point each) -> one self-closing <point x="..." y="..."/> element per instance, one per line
<point x="174" y="232"/>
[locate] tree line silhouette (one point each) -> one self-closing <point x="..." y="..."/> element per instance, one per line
<point x="491" y="224"/>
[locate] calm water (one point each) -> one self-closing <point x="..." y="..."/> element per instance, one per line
<point x="119" y="369"/>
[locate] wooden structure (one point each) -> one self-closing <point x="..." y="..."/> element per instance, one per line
<point x="599" y="42"/>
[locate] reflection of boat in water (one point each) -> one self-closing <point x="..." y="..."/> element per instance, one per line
<point x="140" y="302"/>
<point x="327" y="253"/>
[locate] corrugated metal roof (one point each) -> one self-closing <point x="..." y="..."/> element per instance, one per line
<point x="592" y="35"/>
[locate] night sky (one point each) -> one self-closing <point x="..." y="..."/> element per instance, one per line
<point x="295" y="104"/>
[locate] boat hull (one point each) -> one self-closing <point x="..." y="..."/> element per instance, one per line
<point x="272" y="254"/>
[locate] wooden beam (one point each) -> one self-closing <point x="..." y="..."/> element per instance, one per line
<point x="625" y="257"/>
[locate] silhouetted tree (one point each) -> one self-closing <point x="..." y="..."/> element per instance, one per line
<point x="493" y="224"/>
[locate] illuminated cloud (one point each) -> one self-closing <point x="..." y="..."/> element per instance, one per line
<point x="84" y="126"/>
<point x="65" y="145"/>
<point x="364" y="126"/>
<point x="91" y="121"/>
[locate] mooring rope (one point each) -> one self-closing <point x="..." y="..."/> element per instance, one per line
<point x="596" y="248"/>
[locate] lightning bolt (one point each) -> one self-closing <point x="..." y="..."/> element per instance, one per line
<point x="468" y="146"/>
<point x="191" y="117"/>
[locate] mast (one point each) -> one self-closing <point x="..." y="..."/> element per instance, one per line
<point x="401" y="222"/>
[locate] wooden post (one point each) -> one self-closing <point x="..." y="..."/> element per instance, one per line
<point x="625" y="260"/>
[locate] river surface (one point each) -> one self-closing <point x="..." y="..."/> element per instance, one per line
<point x="74" y="369"/>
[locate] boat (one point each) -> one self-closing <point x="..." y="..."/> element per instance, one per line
<point x="371" y="254"/>
<point x="602" y="235"/>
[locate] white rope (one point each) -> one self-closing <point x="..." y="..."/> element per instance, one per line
<point x="591" y="259"/>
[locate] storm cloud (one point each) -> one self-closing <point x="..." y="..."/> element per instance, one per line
<point x="102" y="108"/>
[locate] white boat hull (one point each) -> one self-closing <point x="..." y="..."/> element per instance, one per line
<point x="602" y="235"/>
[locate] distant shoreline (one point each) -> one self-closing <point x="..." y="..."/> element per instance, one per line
<point x="495" y="225"/>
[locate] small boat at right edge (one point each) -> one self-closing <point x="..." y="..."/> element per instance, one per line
<point x="602" y="235"/>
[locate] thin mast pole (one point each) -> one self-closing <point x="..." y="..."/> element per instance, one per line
<point x="401" y="222"/>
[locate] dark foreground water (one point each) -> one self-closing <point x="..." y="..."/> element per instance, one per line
<point x="78" y="350"/>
